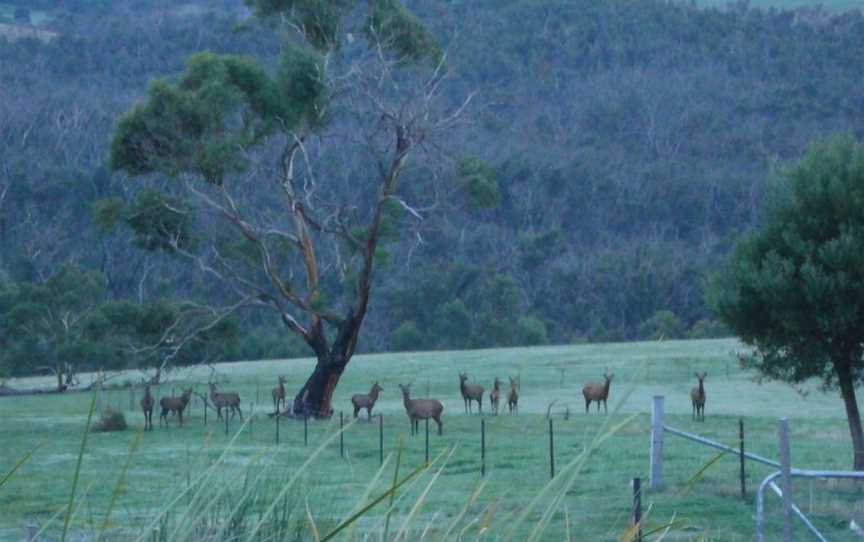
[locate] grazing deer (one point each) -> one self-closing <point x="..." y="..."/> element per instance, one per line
<point x="225" y="399"/>
<point x="174" y="405"/>
<point x="697" y="397"/>
<point x="421" y="409"/>
<point x="470" y="392"/>
<point x="279" y="394"/>
<point x="513" y="395"/>
<point x="147" y="406"/>
<point x="495" y="396"/>
<point x="367" y="401"/>
<point x="596" y="391"/>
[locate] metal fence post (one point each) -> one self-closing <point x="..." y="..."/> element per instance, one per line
<point x="637" y="508"/>
<point x="427" y="441"/>
<point x="277" y="427"/>
<point x="742" y="457"/>
<point x="305" y="429"/>
<point x="341" y="435"/>
<point x="482" y="447"/>
<point x="786" y="479"/>
<point x="381" y="438"/>
<point x="656" y="481"/>
<point x="551" y="450"/>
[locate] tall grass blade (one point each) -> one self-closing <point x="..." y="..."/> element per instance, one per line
<point x="422" y="498"/>
<point x="312" y="526"/>
<point x="393" y="494"/>
<point x="119" y="487"/>
<point x="78" y="466"/>
<point x="18" y="465"/>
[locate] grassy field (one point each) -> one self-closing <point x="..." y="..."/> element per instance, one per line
<point x="829" y="5"/>
<point x="596" y="507"/>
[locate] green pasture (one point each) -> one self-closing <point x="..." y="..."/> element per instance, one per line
<point x="703" y="503"/>
<point x="829" y="5"/>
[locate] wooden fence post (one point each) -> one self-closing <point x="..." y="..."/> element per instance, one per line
<point x="551" y="450"/>
<point x="656" y="480"/>
<point x="786" y="478"/>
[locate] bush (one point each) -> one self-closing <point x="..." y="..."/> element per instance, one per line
<point x="662" y="325"/>
<point x="532" y="331"/>
<point x="709" y="329"/>
<point x="110" y="420"/>
<point x="407" y="337"/>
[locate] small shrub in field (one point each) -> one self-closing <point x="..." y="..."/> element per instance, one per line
<point x="111" y="420"/>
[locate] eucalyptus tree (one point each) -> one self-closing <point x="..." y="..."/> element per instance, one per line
<point x="795" y="289"/>
<point x="287" y="171"/>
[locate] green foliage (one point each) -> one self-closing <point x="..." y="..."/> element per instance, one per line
<point x="221" y="106"/>
<point x="391" y="26"/>
<point x="795" y="289"/>
<point x="453" y="326"/>
<point x="319" y="20"/>
<point x="706" y="328"/>
<point x="663" y="324"/>
<point x="407" y="337"/>
<point x="160" y="222"/>
<point x="478" y="181"/>
<point x="532" y="331"/>
<point x="539" y="249"/>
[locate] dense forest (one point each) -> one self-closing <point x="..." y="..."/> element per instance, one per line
<point x="612" y="154"/>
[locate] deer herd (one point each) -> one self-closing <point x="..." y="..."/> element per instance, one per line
<point x="416" y="409"/>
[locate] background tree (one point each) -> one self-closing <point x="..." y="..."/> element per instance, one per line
<point x="795" y="289"/>
<point x="231" y="122"/>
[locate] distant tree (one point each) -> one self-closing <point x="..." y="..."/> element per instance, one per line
<point x="795" y="289"/>
<point x="228" y="122"/>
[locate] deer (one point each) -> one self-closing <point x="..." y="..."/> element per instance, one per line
<point x="279" y="394"/>
<point x="470" y="392"/>
<point x="495" y="396"/>
<point x="596" y="391"/>
<point x="174" y="404"/>
<point x="226" y="399"/>
<point x="513" y="395"/>
<point x="697" y="397"/>
<point x="147" y="406"/>
<point x="421" y="409"/>
<point x="366" y="400"/>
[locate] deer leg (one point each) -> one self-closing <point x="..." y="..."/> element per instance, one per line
<point x="440" y="425"/>
<point x="368" y="413"/>
<point x="240" y="411"/>
<point x="480" y="404"/>
<point x="605" y="410"/>
<point x="356" y="410"/>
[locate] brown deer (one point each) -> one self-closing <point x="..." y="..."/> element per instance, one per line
<point x="174" y="405"/>
<point x="147" y="406"/>
<point x="596" y="391"/>
<point x="225" y="399"/>
<point x="495" y="396"/>
<point x="470" y="392"/>
<point x="367" y="401"/>
<point x="279" y="395"/>
<point x="513" y="395"/>
<point x="421" y="409"/>
<point x="697" y="397"/>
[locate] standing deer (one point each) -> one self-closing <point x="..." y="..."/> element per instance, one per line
<point x="495" y="396"/>
<point x="596" y="391"/>
<point x="367" y="401"/>
<point x="226" y="399"/>
<point x="147" y="406"/>
<point x="174" y="405"/>
<point x="470" y="392"/>
<point x="421" y="409"/>
<point x="697" y="397"/>
<point x="513" y="395"/>
<point x="279" y="394"/>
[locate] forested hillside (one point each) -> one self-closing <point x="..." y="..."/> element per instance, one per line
<point x="611" y="155"/>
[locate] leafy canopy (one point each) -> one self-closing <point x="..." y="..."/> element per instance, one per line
<point x="795" y="290"/>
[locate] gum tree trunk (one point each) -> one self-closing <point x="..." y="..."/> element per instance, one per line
<point x="853" y="416"/>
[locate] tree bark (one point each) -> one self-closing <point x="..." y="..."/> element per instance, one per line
<point x="853" y="416"/>
<point x="316" y="396"/>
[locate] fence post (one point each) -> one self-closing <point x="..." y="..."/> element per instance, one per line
<point x="305" y="428"/>
<point x="656" y="481"/>
<point x="482" y="447"/>
<point x="427" y="441"/>
<point x="257" y="391"/>
<point x="551" y="450"/>
<point x="226" y="421"/>
<point x="786" y="479"/>
<point x="742" y="458"/>
<point x="277" y="428"/>
<point x="381" y="439"/>
<point x="637" y="508"/>
<point x="341" y="435"/>
<point x="252" y="421"/>
<point x="204" y="402"/>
